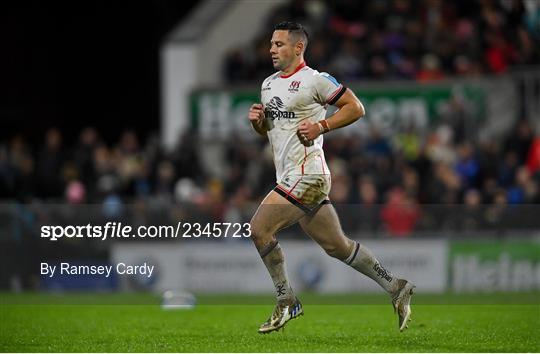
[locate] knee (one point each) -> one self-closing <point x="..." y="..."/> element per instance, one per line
<point x="262" y="239"/>
<point x="259" y="231"/>
<point x="255" y="229"/>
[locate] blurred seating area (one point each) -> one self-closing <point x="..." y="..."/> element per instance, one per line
<point x="423" y="40"/>
<point x="395" y="184"/>
<point x="399" y="183"/>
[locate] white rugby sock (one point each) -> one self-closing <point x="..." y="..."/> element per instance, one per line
<point x="365" y="262"/>
<point x="274" y="260"/>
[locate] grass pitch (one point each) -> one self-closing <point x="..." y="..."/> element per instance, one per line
<point x="442" y="323"/>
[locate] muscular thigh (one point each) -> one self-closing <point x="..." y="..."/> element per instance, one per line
<point x="274" y="214"/>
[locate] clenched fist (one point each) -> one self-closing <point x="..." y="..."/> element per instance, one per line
<point x="307" y="132"/>
<point x="257" y="118"/>
<point x="256" y="113"/>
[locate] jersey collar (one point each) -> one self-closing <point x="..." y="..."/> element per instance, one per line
<point x="302" y="64"/>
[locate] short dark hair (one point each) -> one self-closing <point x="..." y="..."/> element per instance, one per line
<point x="296" y="29"/>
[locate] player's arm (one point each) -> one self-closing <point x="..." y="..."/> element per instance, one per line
<point x="350" y="110"/>
<point x="257" y="119"/>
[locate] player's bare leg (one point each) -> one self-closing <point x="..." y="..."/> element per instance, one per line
<point x="323" y="226"/>
<point x="276" y="213"/>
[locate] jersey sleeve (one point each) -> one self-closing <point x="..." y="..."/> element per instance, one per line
<point x="327" y="89"/>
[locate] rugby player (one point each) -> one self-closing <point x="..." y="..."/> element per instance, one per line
<point x="292" y="115"/>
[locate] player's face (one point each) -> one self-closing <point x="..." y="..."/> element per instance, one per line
<point x="282" y="50"/>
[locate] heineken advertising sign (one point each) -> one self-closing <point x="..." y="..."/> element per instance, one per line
<point x="494" y="266"/>
<point x="220" y="113"/>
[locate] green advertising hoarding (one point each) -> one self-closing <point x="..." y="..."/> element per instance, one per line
<point x="223" y="112"/>
<point x="494" y="265"/>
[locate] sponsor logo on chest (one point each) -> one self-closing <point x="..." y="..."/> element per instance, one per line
<point x="275" y="109"/>
<point x="294" y="86"/>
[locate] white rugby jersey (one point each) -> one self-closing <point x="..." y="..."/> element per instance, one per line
<point x="288" y="100"/>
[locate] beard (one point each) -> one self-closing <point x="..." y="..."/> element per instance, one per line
<point x="281" y="64"/>
<point x="278" y="65"/>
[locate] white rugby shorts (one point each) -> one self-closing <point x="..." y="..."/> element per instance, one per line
<point x="307" y="192"/>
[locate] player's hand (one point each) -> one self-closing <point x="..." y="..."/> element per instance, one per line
<point x="307" y="132"/>
<point x="256" y="113"/>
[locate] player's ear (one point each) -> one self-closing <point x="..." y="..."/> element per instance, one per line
<point x="299" y="48"/>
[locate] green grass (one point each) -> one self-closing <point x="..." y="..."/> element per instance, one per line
<point x="443" y="323"/>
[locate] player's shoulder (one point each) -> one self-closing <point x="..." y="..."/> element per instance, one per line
<point x="324" y="77"/>
<point x="309" y="75"/>
<point x="270" y="78"/>
<point x="306" y="72"/>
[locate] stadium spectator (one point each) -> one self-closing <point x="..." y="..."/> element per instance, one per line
<point x="467" y="166"/>
<point x="533" y="156"/>
<point x="471" y="217"/>
<point x="400" y="213"/>
<point x="430" y="70"/>
<point x="49" y="164"/>
<point x="520" y="140"/>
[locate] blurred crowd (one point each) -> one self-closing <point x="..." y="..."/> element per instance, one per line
<point x="424" y="40"/>
<point x="396" y="181"/>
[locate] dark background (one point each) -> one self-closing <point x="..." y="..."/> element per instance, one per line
<point x="80" y="63"/>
